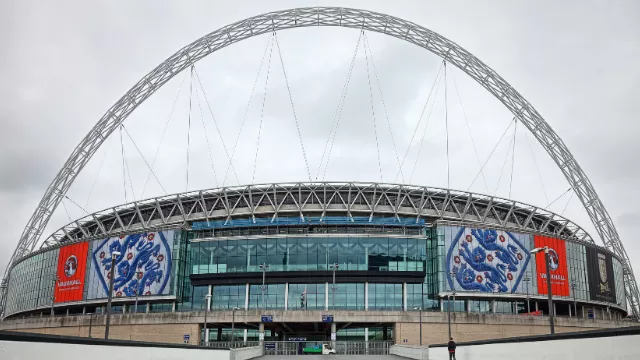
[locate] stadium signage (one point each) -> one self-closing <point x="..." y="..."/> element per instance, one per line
<point x="72" y="263"/>
<point x="557" y="266"/>
<point x="601" y="281"/>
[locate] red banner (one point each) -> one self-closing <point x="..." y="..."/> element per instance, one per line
<point x="557" y="266"/>
<point x="72" y="263"/>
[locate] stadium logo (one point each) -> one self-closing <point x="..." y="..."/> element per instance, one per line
<point x="486" y="260"/>
<point x="554" y="260"/>
<point x="71" y="266"/>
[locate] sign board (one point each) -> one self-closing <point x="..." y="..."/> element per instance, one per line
<point x="267" y="318"/>
<point x="327" y="318"/>
<point x="297" y="339"/>
<point x="72" y="262"/>
<point x="186" y="338"/>
<point x="333" y="336"/>
<point x="261" y="336"/>
<point x="557" y="266"/>
<point x="590" y="314"/>
<point x="270" y="346"/>
<point x="602" y="285"/>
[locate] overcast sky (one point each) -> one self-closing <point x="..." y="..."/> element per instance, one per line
<point x="64" y="63"/>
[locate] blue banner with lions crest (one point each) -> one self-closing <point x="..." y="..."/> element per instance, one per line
<point x="488" y="260"/>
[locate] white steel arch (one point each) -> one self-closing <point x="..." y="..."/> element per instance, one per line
<point x="341" y="17"/>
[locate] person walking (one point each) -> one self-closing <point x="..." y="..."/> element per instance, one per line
<point x="452" y="349"/>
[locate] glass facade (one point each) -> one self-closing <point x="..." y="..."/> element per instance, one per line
<point x="423" y="249"/>
<point x="310" y="253"/>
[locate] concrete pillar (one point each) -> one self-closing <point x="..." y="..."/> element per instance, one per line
<point x="467" y="304"/>
<point x="148" y="308"/>
<point x="404" y="296"/>
<point x="366" y="341"/>
<point x="286" y="296"/>
<point x="493" y="306"/>
<point x="173" y="307"/>
<point x="244" y="338"/>
<point x="261" y="334"/>
<point x="326" y="296"/>
<point x="207" y="306"/>
<point x="366" y="296"/>
<point x="246" y="298"/>
<point x="536" y="305"/>
<point x="333" y="331"/>
<point x="84" y="310"/>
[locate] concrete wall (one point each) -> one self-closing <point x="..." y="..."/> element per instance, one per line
<point x="171" y="327"/>
<point x="590" y="348"/>
<point x="11" y="349"/>
<point x="246" y="353"/>
<point x="410" y="352"/>
<point x="409" y="333"/>
<point x="165" y="333"/>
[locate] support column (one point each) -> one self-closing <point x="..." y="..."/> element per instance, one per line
<point x="326" y="296"/>
<point x="333" y="333"/>
<point x="404" y="296"/>
<point x="244" y="338"/>
<point x="366" y="341"/>
<point x="208" y="304"/>
<point x="246" y="298"/>
<point x="261" y="334"/>
<point x="366" y="296"/>
<point x="286" y="296"/>
<point x="467" y="304"/>
<point x="570" y="306"/>
<point x="493" y="306"/>
<point x="148" y="308"/>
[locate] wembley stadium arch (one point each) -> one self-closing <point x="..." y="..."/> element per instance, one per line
<point x="405" y="30"/>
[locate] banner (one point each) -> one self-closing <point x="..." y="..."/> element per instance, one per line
<point x="486" y="260"/>
<point x="600" y="273"/>
<point x="72" y="263"/>
<point x="557" y="266"/>
<point x="143" y="266"/>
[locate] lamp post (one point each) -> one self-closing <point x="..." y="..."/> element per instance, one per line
<point x="449" y="310"/>
<point x="526" y="280"/>
<point x="135" y="310"/>
<point x="233" y="323"/>
<point x="420" y="309"/>
<point x="575" y="306"/>
<point x="550" y="295"/>
<point x="453" y="292"/>
<point x="207" y="298"/>
<point x="334" y="267"/>
<point x="114" y="255"/>
<point x="53" y="296"/>
<point x="90" y="323"/>
<point x="263" y="268"/>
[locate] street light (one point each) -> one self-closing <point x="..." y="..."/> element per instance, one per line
<point x="546" y="261"/>
<point x="526" y="280"/>
<point x="207" y="298"/>
<point x="449" y="310"/>
<point x="90" y="323"/>
<point x="334" y="267"/>
<point x="575" y="306"/>
<point x="114" y="255"/>
<point x="135" y="310"/>
<point x="263" y="268"/>
<point x="233" y="323"/>
<point x="453" y="292"/>
<point x="53" y="296"/>
<point x="420" y="309"/>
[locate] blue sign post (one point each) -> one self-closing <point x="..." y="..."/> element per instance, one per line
<point x="267" y="318"/>
<point x="327" y="318"/>
<point x="186" y="338"/>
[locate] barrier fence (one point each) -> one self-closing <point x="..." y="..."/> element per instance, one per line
<point x="295" y="347"/>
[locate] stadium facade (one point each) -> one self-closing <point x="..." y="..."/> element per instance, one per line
<point x="355" y="251"/>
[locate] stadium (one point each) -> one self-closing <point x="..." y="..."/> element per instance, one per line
<point x="376" y="263"/>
